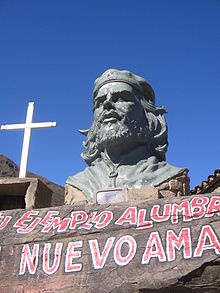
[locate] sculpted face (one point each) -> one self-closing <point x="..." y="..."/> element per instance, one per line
<point x="113" y="101"/>
<point x="118" y="114"/>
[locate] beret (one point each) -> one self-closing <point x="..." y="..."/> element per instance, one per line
<point x="114" y="75"/>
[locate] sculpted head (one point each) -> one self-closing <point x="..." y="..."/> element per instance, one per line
<point x="125" y="115"/>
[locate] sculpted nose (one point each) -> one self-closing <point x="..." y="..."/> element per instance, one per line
<point x="108" y="103"/>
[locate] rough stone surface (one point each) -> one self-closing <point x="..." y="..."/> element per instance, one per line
<point x="28" y="193"/>
<point x="74" y="195"/>
<point x="192" y="272"/>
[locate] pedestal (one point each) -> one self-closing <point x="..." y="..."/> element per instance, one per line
<point x="24" y="193"/>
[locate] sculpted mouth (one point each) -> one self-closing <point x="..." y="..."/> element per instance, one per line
<point x="111" y="116"/>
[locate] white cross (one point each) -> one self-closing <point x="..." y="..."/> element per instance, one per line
<point x="27" y="135"/>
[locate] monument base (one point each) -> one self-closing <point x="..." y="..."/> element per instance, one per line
<point x="23" y="193"/>
<point x="173" y="187"/>
<point x="157" y="246"/>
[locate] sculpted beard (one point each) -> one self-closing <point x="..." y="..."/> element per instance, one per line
<point x="123" y="131"/>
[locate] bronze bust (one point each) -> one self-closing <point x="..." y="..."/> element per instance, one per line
<point x="127" y="141"/>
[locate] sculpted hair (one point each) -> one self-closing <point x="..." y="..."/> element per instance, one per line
<point x="157" y="129"/>
<point x="157" y="125"/>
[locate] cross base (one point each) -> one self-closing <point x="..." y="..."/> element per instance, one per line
<point x="28" y="193"/>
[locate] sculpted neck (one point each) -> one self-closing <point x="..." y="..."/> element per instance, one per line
<point x="127" y="154"/>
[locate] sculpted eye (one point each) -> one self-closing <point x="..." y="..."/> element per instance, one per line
<point x="98" y="103"/>
<point x="118" y="99"/>
<point x="123" y="97"/>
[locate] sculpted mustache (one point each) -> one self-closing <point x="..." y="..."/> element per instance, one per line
<point x="109" y="114"/>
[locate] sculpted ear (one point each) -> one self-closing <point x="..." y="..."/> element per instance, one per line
<point x="84" y="132"/>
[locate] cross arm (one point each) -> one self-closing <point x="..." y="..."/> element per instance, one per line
<point x="31" y="125"/>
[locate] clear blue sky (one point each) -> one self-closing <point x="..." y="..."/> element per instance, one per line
<point x="52" y="51"/>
